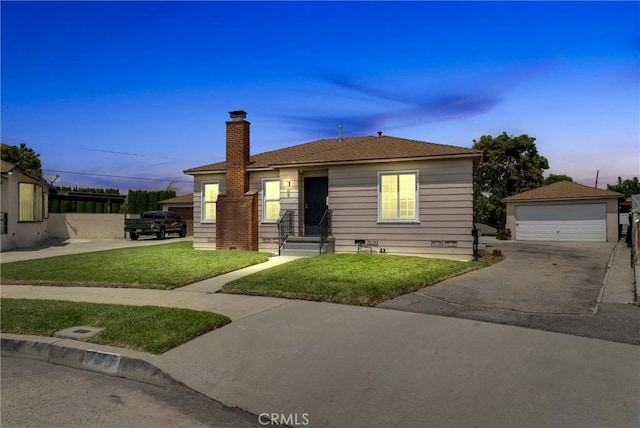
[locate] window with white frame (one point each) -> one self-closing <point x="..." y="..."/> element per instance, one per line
<point x="398" y="196"/>
<point x="270" y="200"/>
<point x="210" y="193"/>
<point x="31" y="202"/>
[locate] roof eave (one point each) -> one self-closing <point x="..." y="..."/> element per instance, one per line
<point x="298" y="164"/>
<point x="560" y="199"/>
<point x="370" y="161"/>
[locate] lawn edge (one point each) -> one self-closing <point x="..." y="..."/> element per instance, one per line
<point x="369" y="303"/>
<point x="221" y="321"/>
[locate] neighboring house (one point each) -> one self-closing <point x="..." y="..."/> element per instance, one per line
<point x="564" y="211"/>
<point x="24" y="208"/>
<point x="182" y="206"/>
<point x="382" y="194"/>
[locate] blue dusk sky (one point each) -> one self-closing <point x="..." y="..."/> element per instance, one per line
<point x="106" y="91"/>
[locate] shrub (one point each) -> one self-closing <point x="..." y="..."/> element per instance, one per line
<point x="503" y="234"/>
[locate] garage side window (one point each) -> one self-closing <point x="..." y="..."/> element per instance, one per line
<point x="398" y="196"/>
<point x="210" y="193"/>
<point x="270" y="200"/>
<point x="31" y="202"/>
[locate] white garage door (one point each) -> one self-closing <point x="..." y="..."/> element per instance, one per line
<point x="584" y="222"/>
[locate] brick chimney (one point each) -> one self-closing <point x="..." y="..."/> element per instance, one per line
<point x="237" y="209"/>
<point x="237" y="154"/>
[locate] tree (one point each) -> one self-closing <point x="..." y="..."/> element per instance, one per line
<point x="627" y="187"/>
<point x="509" y="165"/>
<point x="554" y="178"/>
<point x="23" y="157"/>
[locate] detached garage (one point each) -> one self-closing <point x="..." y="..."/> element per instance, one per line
<point x="564" y="211"/>
<point x="182" y="206"/>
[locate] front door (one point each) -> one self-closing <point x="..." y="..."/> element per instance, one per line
<point x="316" y="190"/>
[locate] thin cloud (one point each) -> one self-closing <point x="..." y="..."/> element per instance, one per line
<point x="432" y="97"/>
<point x="445" y="105"/>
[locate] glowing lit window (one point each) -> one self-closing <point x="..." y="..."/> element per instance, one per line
<point x="398" y="196"/>
<point x="210" y="193"/>
<point x="270" y="200"/>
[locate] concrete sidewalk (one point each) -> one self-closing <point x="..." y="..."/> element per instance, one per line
<point x="337" y="365"/>
<point x="202" y="295"/>
<point x="234" y="306"/>
<point x="618" y="282"/>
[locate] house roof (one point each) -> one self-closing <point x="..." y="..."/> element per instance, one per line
<point x="6" y="167"/>
<point x="349" y="150"/>
<point x="563" y="190"/>
<point x="183" y="199"/>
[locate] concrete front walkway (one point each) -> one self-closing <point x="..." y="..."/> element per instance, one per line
<point x="215" y="284"/>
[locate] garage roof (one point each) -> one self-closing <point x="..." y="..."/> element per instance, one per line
<point x="563" y="190"/>
<point x="183" y="199"/>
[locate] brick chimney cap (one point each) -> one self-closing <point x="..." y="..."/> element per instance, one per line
<point x="238" y="114"/>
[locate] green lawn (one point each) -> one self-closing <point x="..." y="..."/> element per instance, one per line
<point x="157" y="266"/>
<point x="356" y="279"/>
<point x="143" y="328"/>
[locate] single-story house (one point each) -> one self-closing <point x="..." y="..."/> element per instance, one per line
<point x="182" y="206"/>
<point x="564" y="211"/>
<point x="375" y="194"/>
<point x="24" y="208"/>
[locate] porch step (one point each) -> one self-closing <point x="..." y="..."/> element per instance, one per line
<point x="305" y="246"/>
<point x="300" y="253"/>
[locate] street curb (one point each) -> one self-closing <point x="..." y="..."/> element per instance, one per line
<point x="87" y="356"/>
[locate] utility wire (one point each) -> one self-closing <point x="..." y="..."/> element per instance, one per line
<point x="117" y="176"/>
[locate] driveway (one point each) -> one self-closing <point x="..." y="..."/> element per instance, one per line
<point x="560" y="278"/>
<point x="547" y="286"/>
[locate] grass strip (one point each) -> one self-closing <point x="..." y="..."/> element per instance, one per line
<point x="155" y="267"/>
<point x="143" y="328"/>
<point x="355" y="279"/>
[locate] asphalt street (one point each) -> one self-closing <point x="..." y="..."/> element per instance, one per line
<point x="39" y="394"/>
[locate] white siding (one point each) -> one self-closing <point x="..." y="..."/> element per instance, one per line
<point x="445" y="209"/>
<point x="20" y="234"/>
<point x="204" y="234"/>
<point x="267" y="232"/>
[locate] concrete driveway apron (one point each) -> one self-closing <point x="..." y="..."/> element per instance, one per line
<point x="535" y="277"/>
